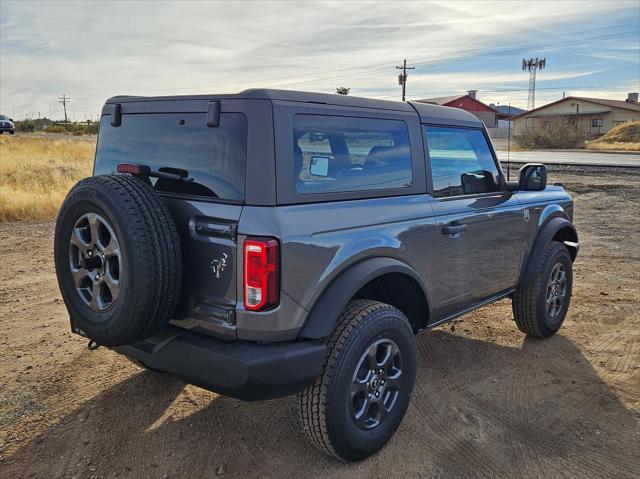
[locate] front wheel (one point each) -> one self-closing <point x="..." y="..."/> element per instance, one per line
<point x="358" y="402"/>
<point x="539" y="308"/>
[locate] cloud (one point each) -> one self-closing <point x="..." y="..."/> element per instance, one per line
<point x="93" y="50"/>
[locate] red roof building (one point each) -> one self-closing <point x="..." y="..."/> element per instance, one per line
<point x="470" y="103"/>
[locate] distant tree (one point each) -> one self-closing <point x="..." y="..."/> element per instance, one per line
<point x="342" y="90"/>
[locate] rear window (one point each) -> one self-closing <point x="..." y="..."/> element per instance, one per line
<point x="215" y="158"/>
<point x="334" y="154"/>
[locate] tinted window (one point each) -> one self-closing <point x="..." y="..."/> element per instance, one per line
<point x="333" y="153"/>
<point x="214" y="157"/>
<point x="461" y="162"/>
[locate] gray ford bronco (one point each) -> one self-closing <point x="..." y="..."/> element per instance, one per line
<point x="271" y="243"/>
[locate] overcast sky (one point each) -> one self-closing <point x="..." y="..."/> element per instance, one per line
<point x="93" y="50"/>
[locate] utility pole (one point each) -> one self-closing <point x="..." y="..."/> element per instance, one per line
<point x="577" y="105"/>
<point x="402" y="78"/>
<point x="533" y="65"/>
<point x="64" y="99"/>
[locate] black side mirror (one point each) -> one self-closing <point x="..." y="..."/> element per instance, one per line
<point x="533" y="177"/>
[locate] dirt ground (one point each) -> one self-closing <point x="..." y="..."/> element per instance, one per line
<point x="488" y="402"/>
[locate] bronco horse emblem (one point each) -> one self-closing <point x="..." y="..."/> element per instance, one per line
<point x="217" y="265"/>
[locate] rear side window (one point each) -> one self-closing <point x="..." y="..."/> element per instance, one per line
<point x="335" y="154"/>
<point x="215" y="158"/>
<point x="461" y="162"/>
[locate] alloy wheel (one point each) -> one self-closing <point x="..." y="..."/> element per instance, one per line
<point x="375" y="385"/>
<point x="95" y="261"/>
<point x="556" y="291"/>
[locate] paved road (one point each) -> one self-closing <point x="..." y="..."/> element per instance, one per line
<point x="573" y="158"/>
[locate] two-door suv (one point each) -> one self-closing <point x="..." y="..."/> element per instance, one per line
<point x="271" y="243"/>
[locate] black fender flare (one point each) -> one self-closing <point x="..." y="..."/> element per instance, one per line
<point x="545" y="236"/>
<point x="325" y="312"/>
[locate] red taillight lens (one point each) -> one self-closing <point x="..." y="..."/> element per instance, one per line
<point x="133" y="169"/>
<point x="261" y="263"/>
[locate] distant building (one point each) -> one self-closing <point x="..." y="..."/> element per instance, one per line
<point x="506" y="114"/>
<point x="593" y="116"/>
<point x="470" y="103"/>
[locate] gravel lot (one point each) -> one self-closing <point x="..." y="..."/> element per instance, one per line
<point x="488" y="402"/>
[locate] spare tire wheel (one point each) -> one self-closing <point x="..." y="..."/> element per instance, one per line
<point x="118" y="259"/>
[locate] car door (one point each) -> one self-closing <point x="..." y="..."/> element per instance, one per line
<point x="480" y="224"/>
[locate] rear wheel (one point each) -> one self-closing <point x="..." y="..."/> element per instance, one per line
<point x="355" y="407"/>
<point x="539" y="308"/>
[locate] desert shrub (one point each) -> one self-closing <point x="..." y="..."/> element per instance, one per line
<point x="56" y="129"/>
<point x="556" y="135"/>
<point x="25" y="126"/>
<point x="76" y="129"/>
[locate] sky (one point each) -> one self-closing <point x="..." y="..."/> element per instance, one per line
<point x="93" y="50"/>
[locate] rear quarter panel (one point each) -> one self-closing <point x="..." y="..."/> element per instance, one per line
<point x="320" y="241"/>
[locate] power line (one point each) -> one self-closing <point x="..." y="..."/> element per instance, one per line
<point x="348" y="72"/>
<point x="402" y="78"/>
<point x="428" y="94"/>
<point x="367" y="71"/>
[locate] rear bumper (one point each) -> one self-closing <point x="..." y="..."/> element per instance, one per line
<point x="240" y="369"/>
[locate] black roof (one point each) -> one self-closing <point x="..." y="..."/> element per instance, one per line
<point x="428" y="113"/>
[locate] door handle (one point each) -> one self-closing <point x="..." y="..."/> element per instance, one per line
<point x="453" y="229"/>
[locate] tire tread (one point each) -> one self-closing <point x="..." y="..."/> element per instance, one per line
<point x="312" y="400"/>
<point x="526" y="298"/>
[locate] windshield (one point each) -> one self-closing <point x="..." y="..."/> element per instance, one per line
<point x="2" y="117"/>
<point x="215" y="158"/>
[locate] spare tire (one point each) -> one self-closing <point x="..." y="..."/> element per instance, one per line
<point x="118" y="259"/>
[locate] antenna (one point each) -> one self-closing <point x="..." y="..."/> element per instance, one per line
<point x="533" y="65"/>
<point x="509" y="145"/>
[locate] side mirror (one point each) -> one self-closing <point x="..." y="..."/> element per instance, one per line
<point x="319" y="165"/>
<point x="533" y="177"/>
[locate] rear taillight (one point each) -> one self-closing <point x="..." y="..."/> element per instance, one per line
<point x="261" y="263"/>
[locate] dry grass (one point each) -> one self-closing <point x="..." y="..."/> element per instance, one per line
<point x="37" y="173"/>
<point x="594" y="145"/>
<point x="625" y="137"/>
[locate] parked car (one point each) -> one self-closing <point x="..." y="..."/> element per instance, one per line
<point x="271" y="243"/>
<point x="6" y="124"/>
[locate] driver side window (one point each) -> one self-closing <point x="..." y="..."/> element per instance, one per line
<point x="461" y="162"/>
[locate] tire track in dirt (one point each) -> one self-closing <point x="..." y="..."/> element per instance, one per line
<point x="424" y="403"/>
<point x="457" y="448"/>
<point x="548" y="445"/>
<point x="466" y="400"/>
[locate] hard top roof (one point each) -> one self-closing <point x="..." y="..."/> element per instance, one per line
<point x="428" y="113"/>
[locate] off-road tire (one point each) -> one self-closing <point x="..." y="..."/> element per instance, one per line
<point x="151" y="258"/>
<point x="529" y="301"/>
<point x="323" y="406"/>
